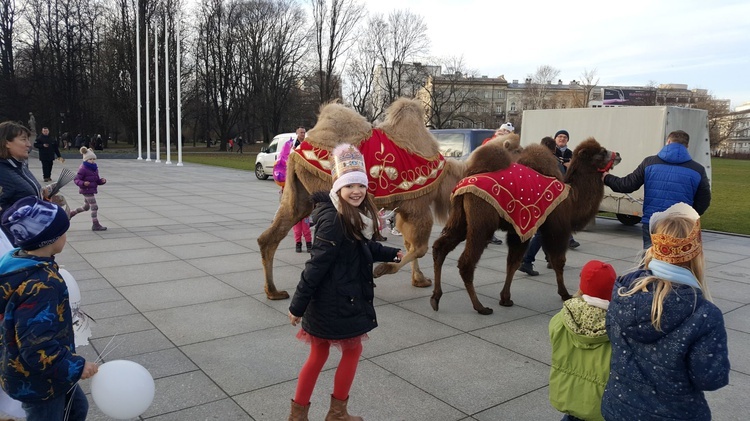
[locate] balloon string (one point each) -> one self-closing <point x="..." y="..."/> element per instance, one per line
<point x="104" y="352"/>
<point x="69" y="406"/>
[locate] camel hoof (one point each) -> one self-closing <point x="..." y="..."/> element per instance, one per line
<point x="435" y="303"/>
<point x="506" y="303"/>
<point x="277" y="295"/>
<point x="380" y="270"/>
<point x="485" y="311"/>
<point x="421" y="283"/>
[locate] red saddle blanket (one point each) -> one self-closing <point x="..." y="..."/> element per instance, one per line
<point x="521" y="196"/>
<point x="391" y="170"/>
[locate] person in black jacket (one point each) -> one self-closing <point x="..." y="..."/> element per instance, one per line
<point x="48" y="151"/>
<point x="334" y="297"/>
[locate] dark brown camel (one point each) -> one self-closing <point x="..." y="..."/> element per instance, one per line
<point x="473" y="219"/>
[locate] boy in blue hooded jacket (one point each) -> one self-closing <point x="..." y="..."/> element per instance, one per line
<point x="39" y="365"/>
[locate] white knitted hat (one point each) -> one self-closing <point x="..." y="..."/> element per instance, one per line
<point x="87" y="153"/>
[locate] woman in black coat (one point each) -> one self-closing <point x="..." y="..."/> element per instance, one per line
<point x="16" y="180"/>
<point x="334" y="297"/>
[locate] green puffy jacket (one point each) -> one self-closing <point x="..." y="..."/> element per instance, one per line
<point x="580" y="359"/>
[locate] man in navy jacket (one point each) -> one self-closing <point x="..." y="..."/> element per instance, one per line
<point x="669" y="177"/>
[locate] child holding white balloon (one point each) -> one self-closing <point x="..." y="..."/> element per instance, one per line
<point x="39" y="365"/>
<point x="334" y="297"/>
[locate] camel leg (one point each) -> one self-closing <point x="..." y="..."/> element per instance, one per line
<point x="516" y="250"/>
<point x="557" y="259"/>
<point x="452" y="235"/>
<point x="467" y="264"/>
<point x="416" y="240"/>
<point x="269" y="241"/>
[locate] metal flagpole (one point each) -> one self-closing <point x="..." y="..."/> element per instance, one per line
<point x="166" y="88"/>
<point x="138" y="69"/>
<point x="179" y="96"/>
<point x="156" y="89"/>
<point x="148" y="99"/>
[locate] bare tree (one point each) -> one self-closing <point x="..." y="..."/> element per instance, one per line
<point x="334" y="26"/>
<point x="395" y="40"/>
<point x="538" y="86"/>
<point x="721" y="125"/>
<point x="448" y="97"/>
<point x="589" y="81"/>
<point x="8" y="88"/>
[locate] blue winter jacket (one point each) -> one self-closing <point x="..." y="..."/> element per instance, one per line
<point x="661" y="375"/>
<point x="669" y="177"/>
<point x="38" y="349"/>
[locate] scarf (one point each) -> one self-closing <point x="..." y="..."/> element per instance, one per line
<point x="673" y="273"/>
<point x="91" y="166"/>
<point x="368" y="229"/>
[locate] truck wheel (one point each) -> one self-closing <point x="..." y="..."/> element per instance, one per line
<point x="628" y="220"/>
<point x="259" y="173"/>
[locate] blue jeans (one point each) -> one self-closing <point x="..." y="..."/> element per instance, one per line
<point x="534" y="245"/>
<point x="54" y="409"/>
<point x="646" y="236"/>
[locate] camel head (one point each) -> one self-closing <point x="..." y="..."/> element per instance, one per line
<point x="404" y="124"/>
<point x="338" y="124"/>
<point x="591" y="157"/>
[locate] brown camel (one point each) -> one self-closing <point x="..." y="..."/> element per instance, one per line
<point x="308" y="171"/>
<point x="474" y="219"/>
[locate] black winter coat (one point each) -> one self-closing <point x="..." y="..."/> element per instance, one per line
<point x="335" y="293"/>
<point x="16" y="182"/>
<point x="49" y="152"/>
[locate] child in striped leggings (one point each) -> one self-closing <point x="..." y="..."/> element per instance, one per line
<point x="88" y="181"/>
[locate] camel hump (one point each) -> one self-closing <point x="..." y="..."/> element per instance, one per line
<point x="404" y="125"/>
<point x="539" y="158"/>
<point x="490" y="157"/>
<point x="337" y="124"/>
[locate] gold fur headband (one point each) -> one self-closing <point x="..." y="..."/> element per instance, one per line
<point x="673" y="249"/>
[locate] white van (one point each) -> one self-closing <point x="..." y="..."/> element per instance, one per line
<point x="268" y="156"/>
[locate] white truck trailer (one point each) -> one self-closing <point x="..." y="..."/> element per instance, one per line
<point x="634" y="132"/>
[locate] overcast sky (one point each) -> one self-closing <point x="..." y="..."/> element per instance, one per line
<point x="704" y="44"/>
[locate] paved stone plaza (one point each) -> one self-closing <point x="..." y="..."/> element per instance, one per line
<point x="177" y="279"/>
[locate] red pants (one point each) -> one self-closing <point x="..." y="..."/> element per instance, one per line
<point x="302" y="228"/>
<point x="342" y="380"/>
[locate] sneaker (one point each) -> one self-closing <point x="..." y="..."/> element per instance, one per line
<point x="496" y="240"/>
<point x="396" y="232"/>
<point x="573" y="244"/>
<point x="298" y="248"/>
<point x="528" y="269"/>
<point x="98" y="227"/>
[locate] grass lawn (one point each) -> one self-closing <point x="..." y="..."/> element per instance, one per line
<point x="730" y="197"/>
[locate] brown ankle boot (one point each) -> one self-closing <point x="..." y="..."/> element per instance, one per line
<point x="98" y="227"/>
<point x="299" y="412"/>
<point x="338" y="411"/>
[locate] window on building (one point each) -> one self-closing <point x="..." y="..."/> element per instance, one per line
<point x="498" y="109"/>
<point x="513" y="106"/>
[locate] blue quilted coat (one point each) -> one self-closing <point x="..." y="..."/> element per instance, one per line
<point x="661" y="375"/>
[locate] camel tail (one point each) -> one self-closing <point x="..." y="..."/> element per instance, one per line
<point x="454" y="172"/>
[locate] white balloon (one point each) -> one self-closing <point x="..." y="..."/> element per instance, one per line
<point x="74" y="292"/>
<point x="122" y="389"/>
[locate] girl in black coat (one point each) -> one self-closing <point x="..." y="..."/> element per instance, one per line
<point x="334" y="297"/>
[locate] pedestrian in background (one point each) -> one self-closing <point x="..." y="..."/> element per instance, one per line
<point x="49" y="150"/>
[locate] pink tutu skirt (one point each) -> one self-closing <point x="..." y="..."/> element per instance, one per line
<point x="341" y="344"/>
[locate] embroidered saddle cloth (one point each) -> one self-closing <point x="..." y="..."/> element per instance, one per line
<point x="391" y="170"/>
<point x="520" y="195"/>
